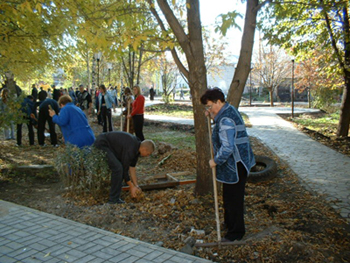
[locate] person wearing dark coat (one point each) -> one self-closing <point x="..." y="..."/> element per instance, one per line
<point x="122" y="151"/>
<point x="56" y="93"/>
<point x="45" y="116"/>
<point x="34" y="93"/>
<point x="28" y="108"/>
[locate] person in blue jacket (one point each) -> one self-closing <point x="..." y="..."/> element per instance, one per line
<point x="105" y="106"/>
<point x="73" y="122"/>
<point x="233" y="159"/>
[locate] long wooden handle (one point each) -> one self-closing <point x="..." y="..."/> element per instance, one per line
<point x="213" y="171"/>
<point x="127" y="119"/>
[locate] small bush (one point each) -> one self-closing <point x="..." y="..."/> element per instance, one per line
<point x="83" y="171"/>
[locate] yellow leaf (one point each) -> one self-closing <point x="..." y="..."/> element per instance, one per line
<point x="174" y="2"/>
<point x="48" y="254"/>
<point x="38" y="7"/>
<point x="29" y="8"/>
<point x="135" y="45"/>
<point x="188" y="6"/>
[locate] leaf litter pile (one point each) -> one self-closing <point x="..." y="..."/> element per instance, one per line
<point x="284" y="221"/>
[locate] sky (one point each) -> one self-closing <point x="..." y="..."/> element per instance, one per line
<point x="210" y="9"/>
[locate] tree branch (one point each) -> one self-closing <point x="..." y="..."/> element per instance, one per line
<point x="174" y="54"/>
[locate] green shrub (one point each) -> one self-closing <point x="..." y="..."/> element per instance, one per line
<point x="83" y="171"/>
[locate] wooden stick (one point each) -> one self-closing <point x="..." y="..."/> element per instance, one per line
<point x="213" y="171"/>
<point x="127" y="119"/>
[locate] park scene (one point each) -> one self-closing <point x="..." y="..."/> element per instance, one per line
<point x="116" y="116"/>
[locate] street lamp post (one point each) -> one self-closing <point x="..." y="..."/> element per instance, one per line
<point x="292" y="88"/>
<point x="109" y="66"/>
<point x="98" y="56"/>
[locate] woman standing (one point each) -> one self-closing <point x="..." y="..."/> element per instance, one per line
<point x="127" y="100"/>
<point x="104" y="108"/>
<point x="138" y="108"/>
<point x="233" y="159"/>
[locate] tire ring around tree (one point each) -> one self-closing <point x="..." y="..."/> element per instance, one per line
<point x="265" y="169"/>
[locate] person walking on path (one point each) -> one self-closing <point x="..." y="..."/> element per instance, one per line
<point x="233" y="159"/>
<point x="73" y="122"/>
<point x="122" y="151"/>
<point x="106" y="103"/>
<point x="45" y="116"/>
<point x="138" y="109"/>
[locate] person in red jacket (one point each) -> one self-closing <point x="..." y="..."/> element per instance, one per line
<point x="138" y="108"/>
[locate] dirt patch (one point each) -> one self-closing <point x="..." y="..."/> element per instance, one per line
<point x="285" y="222"/>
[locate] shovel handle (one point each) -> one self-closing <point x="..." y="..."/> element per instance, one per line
<point x="213" y="171"/>
<point x="127" y="119"/>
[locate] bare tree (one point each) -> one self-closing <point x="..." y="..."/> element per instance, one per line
<point x="273" y="66"/>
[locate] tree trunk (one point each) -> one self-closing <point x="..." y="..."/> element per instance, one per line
<point x="192" y="46"/>
<point x="344" y="120"/>
<point x="244" y="63"/>
<point x="198" y="85"/>
<point x="10" y="83"/>
<point x="139" y="66"/>
<point x="271" y="97"/>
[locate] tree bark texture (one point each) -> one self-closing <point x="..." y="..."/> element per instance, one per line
<point x="244" y="63"/>
<point x="344" y="120"/>
<point x="192" y="45"/>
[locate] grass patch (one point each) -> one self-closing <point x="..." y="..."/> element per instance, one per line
<point x="180" y="139"/>
<point x="325" y="124"/>
<point x="173" y="110"/>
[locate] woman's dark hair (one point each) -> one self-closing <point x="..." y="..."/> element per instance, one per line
<point x="213" y="95"/>
<point x="127" y="90"/>
<point x="103" y="87"/>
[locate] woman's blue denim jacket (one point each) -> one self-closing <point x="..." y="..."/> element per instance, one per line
<point x="231" y="145"/>
<point x="108" y="100"/>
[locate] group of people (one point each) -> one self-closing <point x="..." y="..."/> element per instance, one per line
<point x="232" y="157"/>
<point x="122" y="148"/>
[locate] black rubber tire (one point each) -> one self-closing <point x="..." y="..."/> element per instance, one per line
<point x="268" y="172"/>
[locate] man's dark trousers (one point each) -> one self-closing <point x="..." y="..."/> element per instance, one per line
<point x="117" y="172"/>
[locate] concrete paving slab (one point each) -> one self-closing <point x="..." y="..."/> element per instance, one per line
<point x="29" y="235"/>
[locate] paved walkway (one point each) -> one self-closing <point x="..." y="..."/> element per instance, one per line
<point x="323" y="170"/>
<point x="28" y="235"/>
